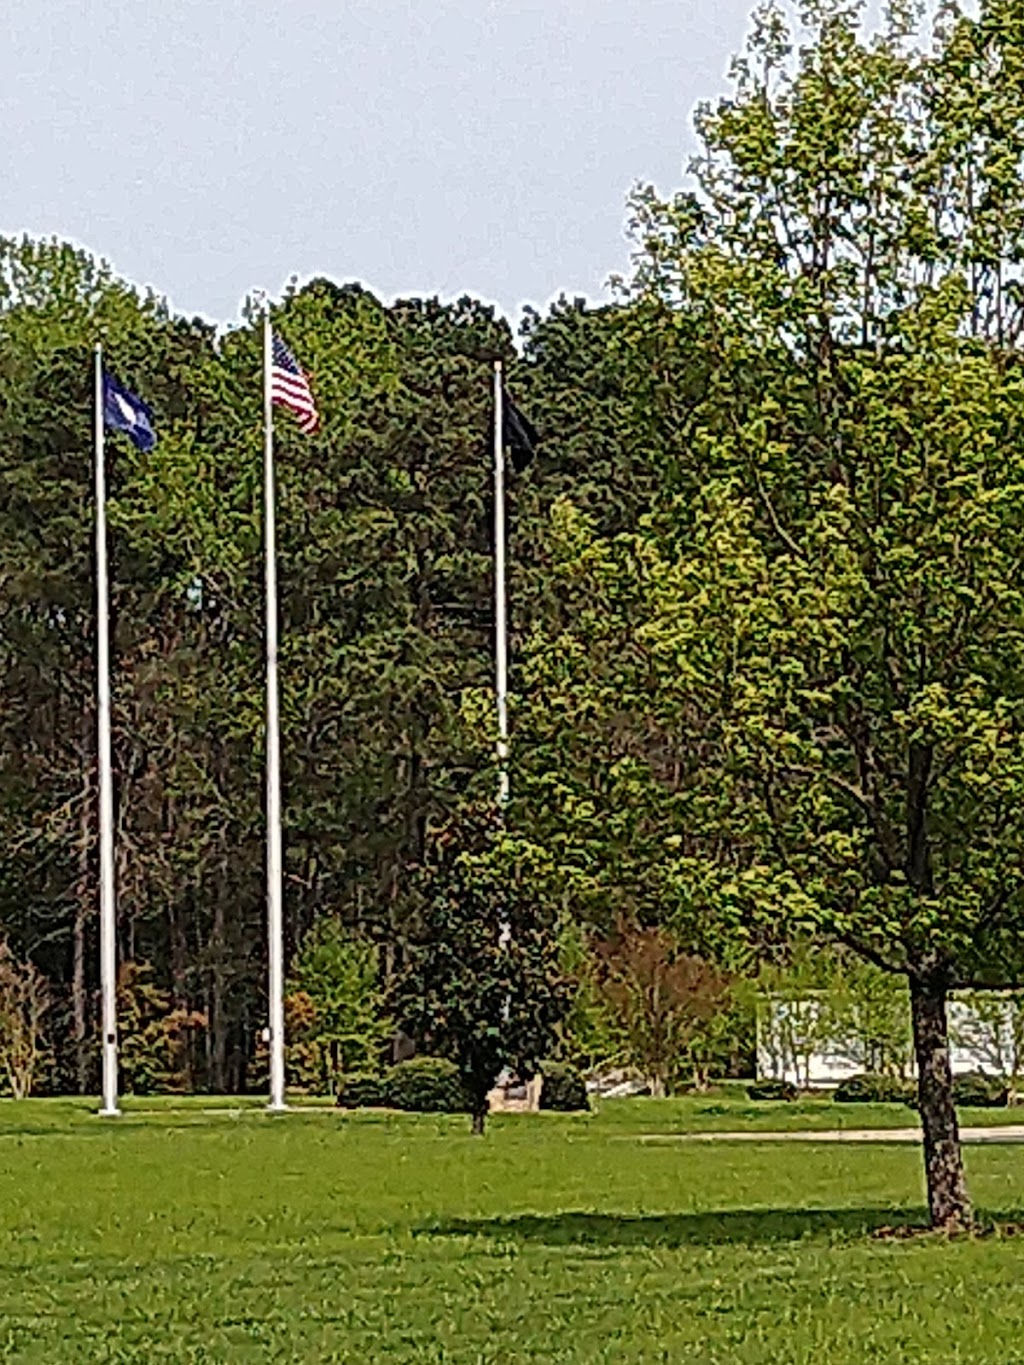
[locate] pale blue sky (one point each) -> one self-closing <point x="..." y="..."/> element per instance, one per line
<point x="207" y="147"/>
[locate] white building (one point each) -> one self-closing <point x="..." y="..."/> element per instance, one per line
<point x="797" y="1041"/>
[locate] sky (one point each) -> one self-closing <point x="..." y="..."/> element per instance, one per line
<point x="210" y="147"/>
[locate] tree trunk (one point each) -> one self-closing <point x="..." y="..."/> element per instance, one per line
<point x="948" y="1200"/>
<point x="479" y="1119"/>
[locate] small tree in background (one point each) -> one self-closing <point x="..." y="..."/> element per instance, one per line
<point x="153" y="1037"/>
<point x="485" y="998"/>
<point x="823" y="1000"/>
<point x="662" y="999"/>
<point x="24" y="1000"/>
<point x="590" y="1036"/>
<point x="725" y="1044"/>
<point x="873" y="1009"/>
<point x="337" y="1021"/>
<point x="800" y="1004"/>
<point x="992" y="1027"/>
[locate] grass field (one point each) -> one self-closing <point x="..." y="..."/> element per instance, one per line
<point x="194" y="1234"/>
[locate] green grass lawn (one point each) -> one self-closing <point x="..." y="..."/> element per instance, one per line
<point x="184" y="1232"/>
<point x="728" y="1109"/>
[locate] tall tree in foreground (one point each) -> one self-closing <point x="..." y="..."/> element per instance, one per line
<point x="834" y="628"/>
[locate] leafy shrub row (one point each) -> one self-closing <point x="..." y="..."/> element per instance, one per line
<point x="972" y="1089"/>
<point x="422" y="1085"/>
<point x="772" y="1090"/>
<point x="868" y="1088"/>
<point x="432" y="1085"/>
<point x="563" y="1089"/>
<point x="976" y="1090"/>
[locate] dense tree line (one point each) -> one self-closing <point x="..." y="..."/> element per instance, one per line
<point x="386" y="629"/>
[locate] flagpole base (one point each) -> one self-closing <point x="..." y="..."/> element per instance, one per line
<point x="274" y="1108"/>
<point x="108" y="1113"/>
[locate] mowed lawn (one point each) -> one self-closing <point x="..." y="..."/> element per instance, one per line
<point x="192" y="1234"/>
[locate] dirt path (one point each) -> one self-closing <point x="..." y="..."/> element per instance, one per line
<point x="1008" y="1132"/>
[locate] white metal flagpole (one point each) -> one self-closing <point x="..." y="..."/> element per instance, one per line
<point x="275" y="915"/>
<point x="500" y="613"/>
<point x="108" y="904"/>
<point x="501" y="622"/>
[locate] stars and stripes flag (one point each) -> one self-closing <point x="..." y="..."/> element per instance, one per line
<point x="290" y="387"/>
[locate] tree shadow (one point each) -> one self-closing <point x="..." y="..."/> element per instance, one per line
<point x="729" y="1226"/>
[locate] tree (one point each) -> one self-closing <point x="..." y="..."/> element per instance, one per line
<point x="153" y="1035"/>
<point x="831" y="627"/>
<point x="991" y="1025"/>
<point x="335" y="993"/>
<point x="800" y="1006"/>
<point x="613" y="390"/>
<point x="24" y="1001"/>
<point x="873" y="1018"/>
<point x="481" y="982"/>
<point x="589" y="1035"/>
<point x="662" y="999"/>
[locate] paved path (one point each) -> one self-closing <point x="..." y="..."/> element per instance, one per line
<point x="1007" y="1132"/>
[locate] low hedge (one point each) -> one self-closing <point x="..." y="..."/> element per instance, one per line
<point x="772" y="1090"/>
<point x="869" y="1088"/>
<point x="426" y="1085"/>
<point x="563" y="1088"/>
<point x="362" y="1090"/>
<point x="421" y="1085"/>
<point x="973" y="1089"/>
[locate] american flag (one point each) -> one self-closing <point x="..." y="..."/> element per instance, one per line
<point x="290" y="387"/>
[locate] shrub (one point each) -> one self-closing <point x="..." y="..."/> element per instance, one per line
<point x="153" y="1052"/>
<point x="24" y="1000"/>
<point x="975" y="1089"/>
<point x="666" y="1004"/>
<point x="334" y="1015"/>
<point x="426" y="1085"/>
<point x="563" y="1088"/>
<point x="772" y="1090"/>
<point x="868" y="1088"/>
<point x="362" y="1090"/>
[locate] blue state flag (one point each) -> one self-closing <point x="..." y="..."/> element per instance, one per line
<point x="124" y="411"/>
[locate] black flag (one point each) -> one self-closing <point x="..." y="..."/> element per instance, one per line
<point x="520" y="434"/>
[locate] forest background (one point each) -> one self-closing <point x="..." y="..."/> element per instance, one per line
<point x="387" y="626"/>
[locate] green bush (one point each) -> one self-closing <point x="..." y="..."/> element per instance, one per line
<point x="868" y="1088"/>
<point x="362" y="1090"/>
<point x="976" y="1090"/>
<point x="426" y="1085"/>
<point x="563" y="1088"/>
<point x="772" y="1090"/>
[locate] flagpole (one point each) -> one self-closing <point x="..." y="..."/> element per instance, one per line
<point x="275" y="916"/>
<point x="500" y="600"/>
<point x="108" y="905"/>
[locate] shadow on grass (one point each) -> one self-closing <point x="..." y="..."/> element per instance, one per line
<point x="733" y="1226"/>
